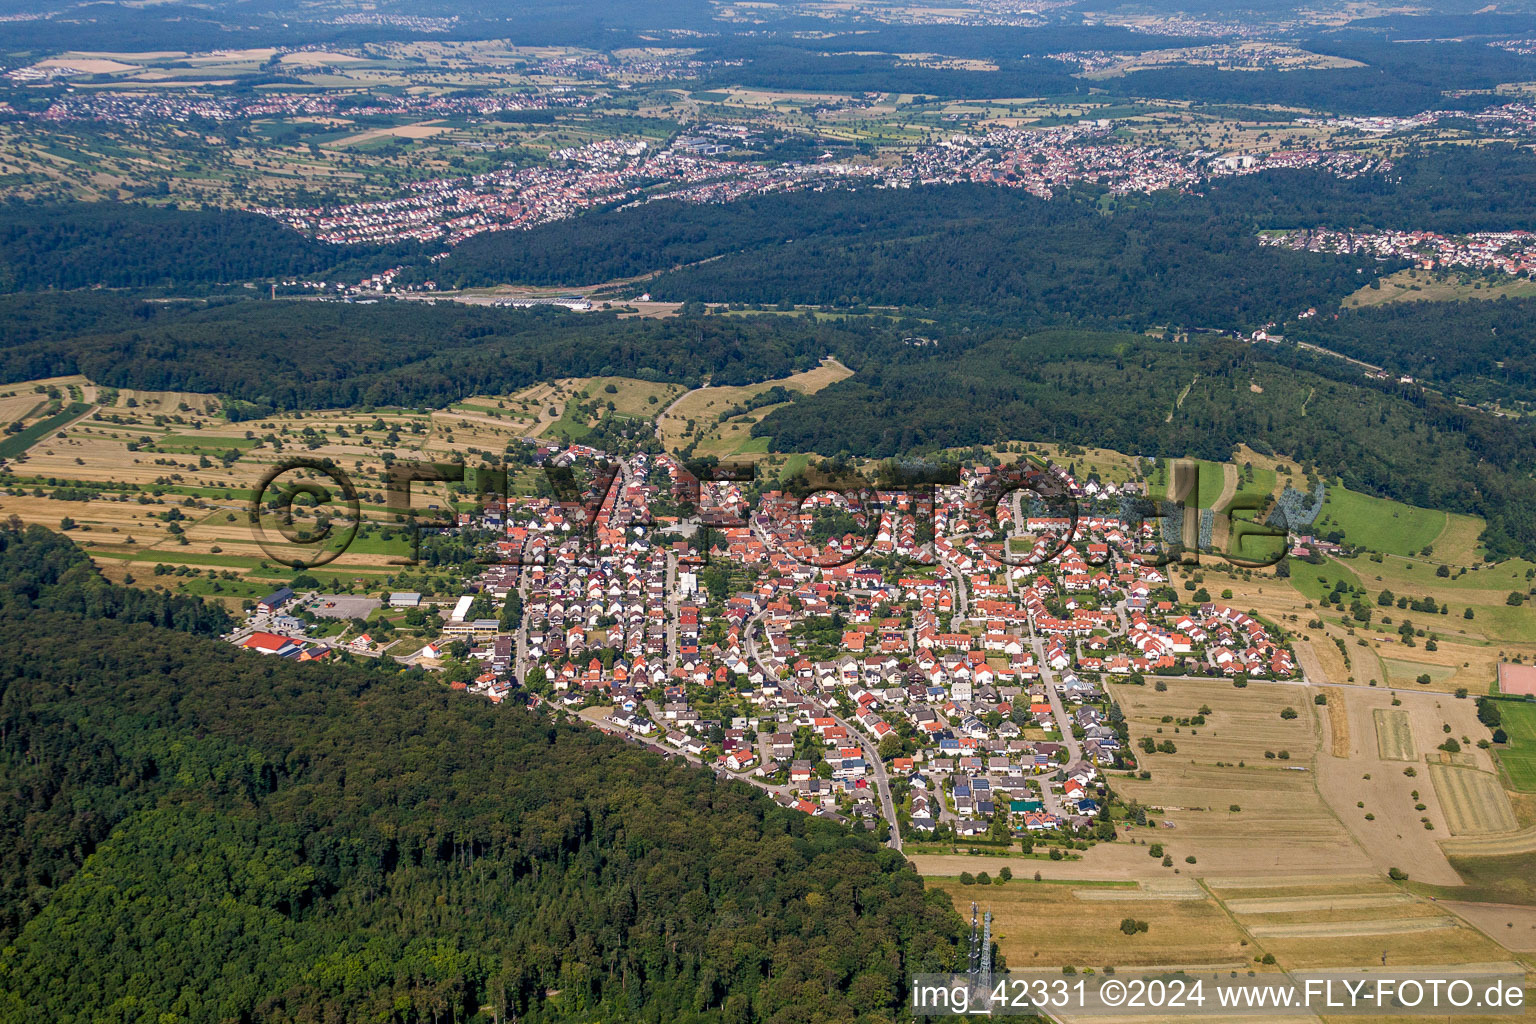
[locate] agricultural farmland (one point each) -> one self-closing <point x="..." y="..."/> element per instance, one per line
<point x="1334" y="921"/>
<point x="1473" y="801"/>
<point x="157" y="485"/>
<point x="1085" y="930"/>
<point x="1235" y="759"/>
<point x="1518" y="758"/>
<point x="1394" y="735"/>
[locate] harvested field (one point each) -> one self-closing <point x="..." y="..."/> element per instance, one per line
<point x="1340" y="901"/>
<point x="1394" y="735"/>
<point x="1385" y="944"/>
<point x="1395" y="834"/>
<point x="1336" y="922"/>
<point x="1153" y="890"/>
<point x="1282" y="826"/>
<point x="1510" y="926"/>
<point x="15" y="408"/>
<point x="1087" y="932"/>
<point x="1382" y="926"/>
<point x="1319" y="885"/>
<point x="1473" y="801"/>
<point x="1337" y="716"/>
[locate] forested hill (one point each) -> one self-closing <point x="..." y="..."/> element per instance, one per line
<point x="1160" y="260"/>
<point x="267" y="841"/>
<point x="1480" y="350"/>
<point x="122" y="245"/>
<point x="313" y="355"/>
<point x="1164" y="259"/>
<point x="1422" y="69"/>
<point x="43" y="570"/>
<point x="1150" y="397"/>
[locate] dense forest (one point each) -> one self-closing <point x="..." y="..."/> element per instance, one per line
<point x="43" y="571"/>
<point x="305" y="355"/>
<point x="1450" y="189"/>
<point x="123" y="245"/>
<point x="1480" y="350"/>
<point x="197" y="833"/>
<point x="1166" y="260"/>
<point x="1124" y="392"/>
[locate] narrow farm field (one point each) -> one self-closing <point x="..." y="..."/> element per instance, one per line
<point x="1394" y="736"/>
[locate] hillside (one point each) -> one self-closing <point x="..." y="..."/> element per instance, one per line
<point x="119" y="245"/>
<point x="195" y="831"/>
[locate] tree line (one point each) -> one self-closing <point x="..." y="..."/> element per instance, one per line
<point x="1482" y="350"/>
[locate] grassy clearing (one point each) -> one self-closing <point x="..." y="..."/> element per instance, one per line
<point x="1480" y="587"/>
<point x="701" y="413"/>
<point x="1458" y="542"/>
<point x="1107" y="463"/>
<point x="1379" y="524"/>
<point x="1259" y="487"/>
<point x="794" y="464"/>
<point x="571" y="425"/>
<point x="1505" y="879"/>
<point x="1430" y="286"/>
<point x="1401" y="673"/>
<point x="630" y="397"/>
<point x="1316" y="580"/>
<point x="1212" y="476"/>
